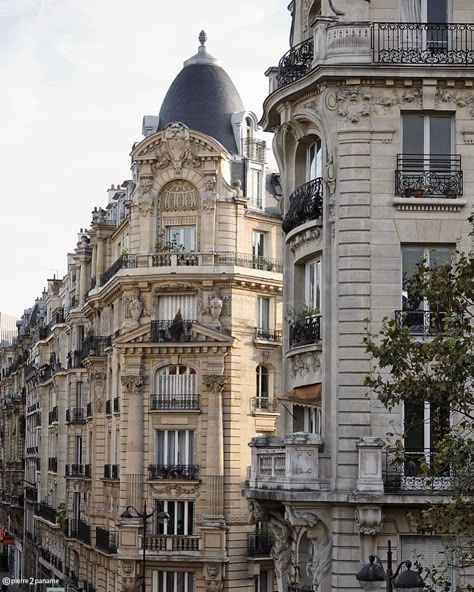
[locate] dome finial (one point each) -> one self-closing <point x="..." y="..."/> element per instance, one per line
<point x="202" y="38"/>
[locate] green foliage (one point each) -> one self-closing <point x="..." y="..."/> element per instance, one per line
<point x="61" y="516"/>
<point x="438" y="369"/>
<point x="302" y="313"/>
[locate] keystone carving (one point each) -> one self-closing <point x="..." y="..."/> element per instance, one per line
<point x="369" y="519"/>
<point x="214" y="577"/>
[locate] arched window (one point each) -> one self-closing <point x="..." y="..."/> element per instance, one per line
<point x="175" y="388"/>
<point x="262" y="392"/>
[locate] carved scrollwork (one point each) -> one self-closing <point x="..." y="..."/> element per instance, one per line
<point x="132" y="383"/>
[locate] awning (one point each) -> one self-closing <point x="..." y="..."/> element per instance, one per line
<point x="309" y="395"/>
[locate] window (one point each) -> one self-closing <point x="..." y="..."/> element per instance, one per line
<point x="76" y="505"/>
<point x="313" y="161"/>
<point x="313" y="284"/>
<point x="181" y="238"/>
<point x="176" y="380"/>
<point x="258" y="244"/>
<point x="78" y="450"/>
<point x="181" y="518"/>
<point x="173" y="581"/>
<point x="263" y="313"/>
<point x="307" y="419"/>
<point x="79" y="400"/>
<point x="263" y="582"/>
<point x="430" y="551"/>
<point x="262" y="386"/>
<point x="175" y="447"/>
<point x="168" y="307"/>
<point x="423" y="11"/>
<point x="255" y="189"/>
<point x="426" y="134"/>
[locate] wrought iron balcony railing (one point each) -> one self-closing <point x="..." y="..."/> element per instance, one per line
<point x="267" y="334"/>
<point x="431" y="44"/>
<point x="295" y="63"/>
<point x="58" y="316"/>
<point x="78" y="471"/>
<point x="300" y="588"/>
<point x="75" y="415"/>
<point x="263" y="404"/>
<point x="435" y="175"/>
<point x="123" y="262"/>
<point x="106" y="540"/>
<point x="74" y="359"/>
<point x="176" y="402"/>
<point x="306" y="203"/>
<point x="421" y="322"/>
<point x="53" y="416"/>
<point x="305" y="331"/>
<point x="173" y="472"/>
<point x="213" y="259"/>
<point x="111" y="471"/>
<point x="117" y="405"/>
<point x="95" y="346"/>
<point x="254" y="149"/>
<point x="175" y="331"/>
<point x="78" y="529"/>
<point x="414" y="474"/>
<point x="46" y="512"/>
<point x="260" y="543"/>
<point x="250" y="261"/>
<point x="171" y="543"/>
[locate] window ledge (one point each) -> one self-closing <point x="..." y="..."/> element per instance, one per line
<point x="428" y="204"/>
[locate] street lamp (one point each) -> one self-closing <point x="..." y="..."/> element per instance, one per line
<point x="162" y="518"/>
<point x="372" y="574"/>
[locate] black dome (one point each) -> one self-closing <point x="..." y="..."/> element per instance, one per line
<point x="203" y="97"/>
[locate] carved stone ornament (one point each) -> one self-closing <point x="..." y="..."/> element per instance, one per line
<point x="312" y="235"/>
<point x="175" y="490"/>
<point x="464" y="99"/>
<point x="175" y="148"/>
<point x="369" y="519"/>
<point x="356" y="103"/>
<point x="127" y="568"/>
<point x="215" y="307"/>
<point x="130" y="584"/>
<point x="213" y="382"/>
<point x="179" y="195"/>
<point x="135" y="307"/>
<point x="132" y="382"/>
<point x="99" y="390"/>
<point x="214" y="577"/>
<point x="301" y="364"/>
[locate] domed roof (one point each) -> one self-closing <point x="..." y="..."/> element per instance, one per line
<point x="203" y="97"/>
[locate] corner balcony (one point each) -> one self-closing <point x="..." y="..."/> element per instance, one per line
<point x="306" y="203"/>
<point x="291" y="463"/>
<point x="46" y="512"/>
<point x="423" y="175"/>
<point x="306" y="331"/>
<point x="106" y="540"/>
<point x="95" y="346"/>
<point x="296" y="63"/>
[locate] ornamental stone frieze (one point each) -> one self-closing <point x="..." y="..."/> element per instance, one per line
<point x="464" y="99"/>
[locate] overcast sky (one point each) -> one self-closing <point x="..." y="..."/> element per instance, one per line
<point x="77" y="76"/>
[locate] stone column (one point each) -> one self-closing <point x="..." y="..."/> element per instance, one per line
<point x="100" y="259"/>
<point x="83" y="282"/>
<point x="132" y="385"/>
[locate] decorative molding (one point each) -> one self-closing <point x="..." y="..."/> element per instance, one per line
<point x="213" y="382"/>
<point x="175" y="149"/>
<point x="468" y="137"/>
<point x="214" y="577"/>
<point x="302" y="364"/>
<point x="175" y="490"/>
<point x="369" y="519"/>
<point x="356" y="103"/>
<point x="311" y="235"/>
<point x="132" y="383"/>
<point x="179" y="195"/>
<point x="428" y="204"/>
<point x="464" y="99"/>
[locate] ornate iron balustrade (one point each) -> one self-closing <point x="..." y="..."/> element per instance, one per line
<point x="117" y="405"/>
<point x="108" y="407"/>
<point x="249" y="261"/>
<point x="305" y="331"/>
<point x="75" y="415"/>
<point x="78" y="471"/>
<point x="170" y="543"/>
<point x="413" y="474"/>
<point x="168" y="259"/>
<point x="306" y="203"/>
<point x="111" y="471"/>
<point x="78" y="529"/>
<point x="53" y="464"/>
<point x="47" y="512"/>
<point x="267" y="335"/>
<point x="173" y="472"/>
<point x="106" y="540"/>
<point x="254" y="149"/>
<point x="176" y="402"/>
<point x="260" y="543"/>
<point x="264" y="404"/>
<point x="421" y="322"/>
<point x="95" y="346"/>
<point x="435" y="175"/>
<point x="423" y="43"/>
<point x="295" y="63"/>
<point x="90" y="409"/>
<point x="123" y="262"/>
<point x="53" y="416"/>
<point x="174" y="331"/>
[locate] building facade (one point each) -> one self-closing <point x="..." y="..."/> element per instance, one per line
<point x="373" y="118"/>
<point x="7" y="328"/>
<point x="145" y="371"/>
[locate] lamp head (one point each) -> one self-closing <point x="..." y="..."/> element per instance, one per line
<point x="371" y="576"/>
<point x="163" y="517"/>
<point x="126" y="514"/>
<point x="408" y="580"/>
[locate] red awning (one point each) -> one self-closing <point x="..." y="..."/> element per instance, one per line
<point x="308" y="395"/>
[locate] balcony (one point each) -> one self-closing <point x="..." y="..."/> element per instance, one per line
<point x="123" y="262"/>
<point x="420" y="175"/>
<point x="306" y="203"/>
<point x="174" y="402"/>
<point x="173" y="472"/>
<point x="296" y="63"/>
<point x="432" y="44"/>
<point x="108" y="407"/>
<point x="95" y="346"/>
<point x="175" y="331"/>
<point x="413" y="474"/>
<point x="90" y="410"/>
<point x="300" y="588"/>
<point x="263" y="405"/>
<point x="53" y="464"/>
<point x="267" y="335"/>
<point x="79" y="530"/>
<point x="46" y="512"/>
<point x="254" y="149"/>
<point x="172" y="543"/>
<point x="305" y="331"/>
<point x="53" y="416"/>
<point x="75" y="415"/>
<point x="57" y="316"/>
<point x="78" y="471"/>
<point x="421" y="322"/>
<point x="117" y="405"/>
<point x="106" y="540"/>
<point x="111" y="472"/>
<point x="214" y="259"/>
<point x="260" y="543"/>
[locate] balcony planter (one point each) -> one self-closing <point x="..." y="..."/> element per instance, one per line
<point x="450" y="194"/>
<point x="409" y="192"/>
<point x="419" y="193"/>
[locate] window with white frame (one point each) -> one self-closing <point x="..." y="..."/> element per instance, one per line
<point x="314" y="160"/>
<point x="173" y="581"/>
<point x="312" y="284"/>
<point x="424" y="11"/>
<point x="258" y="244"/>
<point x="175" y="447"/>
<point x="181" y="238"/>
<point x="255" y="188"/>
<point x="262" y="375"/>
<point x="170" y="304"/>
<point x="264" y="581"/>
<point x="176" y="380"/>
<point x="181" y="518"/>
<point x="307" y="419"/>
<point x="263" y="313"/>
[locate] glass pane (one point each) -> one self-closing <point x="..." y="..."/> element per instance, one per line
<point x="411" y="258"/>
<point x="180" y="518"/>
<point x="436" y="11"/>
<point x="264" y="313"/>
<point x="414" y="426"/>
<point x="182" y="456"/>
<point x="440" y="136"/>
<point x="440" y="255"/>
<point x="190" y="507"/>
<point x="160" y="444"/>
<point x="413" y="134"/>
<point x="170" y="458"/>
<point x="298" y="418"/>
<point x="439" y="422"/>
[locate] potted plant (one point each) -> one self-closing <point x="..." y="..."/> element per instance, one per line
<point x="409" y="192"/>
<point x="450" y="194"/>
<point x="419" y="192"/>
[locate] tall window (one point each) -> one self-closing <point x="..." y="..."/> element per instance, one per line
<point x="176" y="380"/>
<point x="255" y="188"/>
<point x="175" y="447"/>
<point x="263" y="313"/>
<point x="307" y="419"/>
<point x="263" y="582"/>
<point x="426" y="134"/>
<point x="423" y="11"/>
<point x="181" y="518"/>
<point x="313" y="284"/>
<point x="181" y="238"/>
<point x="430" y="550"/>
<point x="258" y="244"/>
<point x="262" y="385"/>
<point x="79" y="398"/>
<point x="313" y="161"/>
<point x="169" y="305"/>
<point x="173" y="581"/>
<point x="78" y="450"/>
<point x="412" y="258"/>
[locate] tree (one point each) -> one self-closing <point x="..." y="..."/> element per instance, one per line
<point x="426" y="356"/>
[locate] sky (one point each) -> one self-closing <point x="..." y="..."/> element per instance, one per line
<point x="77" y="76"/>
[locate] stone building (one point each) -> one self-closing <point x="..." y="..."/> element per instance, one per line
<point x="151" y="364"/>
<point x="372" y="109"/>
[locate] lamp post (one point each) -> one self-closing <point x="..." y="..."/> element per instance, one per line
<point x="372" y="575"/>
<point x="162" y="517"/>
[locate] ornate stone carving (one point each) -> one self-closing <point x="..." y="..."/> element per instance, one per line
<point x="464" y="99"/>
<point x="179" y="195"/>
<point x="132" y="383"/>
<point x="135" y="307"/>
<point x="369" y="519"/>
<point x="313" y="235"/>
<point x="215" y="307"/>
<point x="175" y="490"/>
<point x="213" y="382"/>
<point x="145" y="184"/>
<point x="301" y="364"/>
<point x="99" y="390"/>
<point x="214" y="577"/>
<point x="356" y="103"/>
<point x="127" y="568"/>
<point x="175" y="148"/>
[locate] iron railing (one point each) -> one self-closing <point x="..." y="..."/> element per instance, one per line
<point x="170" y="543"/>
<point x="413" y="474"/>
<point x="173" y="472"/>
<point x="430" y="44"/>
<point x="300" y="588"/>
<point x="74" y="359"/>
<point x="175" y="331"/>
<point x="117" y="405"/>
<point x="95" y="346"/>
<point x="174" y="402"/>
<point x="75" y="415"/>
<point x="306" y="203"/>
<point x="264" y="404"/>
<point x="260" y="543"/>
<point x="254" y="149"/>
<point x="46" y="512"/>
<point x="213" y="259"/>
<point x="305" y="331"/>
<point x="267" y="334"/>
<point x="78" y="471"/>
<point x="58" y="316"/>
<point x="123" y="262"/>
<point x="78" y="529"/>
<point x="106" y="540"/>
<point x="111" y="471"/>
<point x="434" y="175"/>
<point x="295" y="63"/>
<point x="421" y="322"/>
